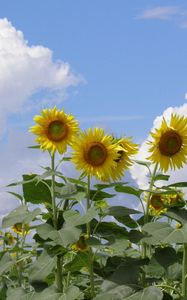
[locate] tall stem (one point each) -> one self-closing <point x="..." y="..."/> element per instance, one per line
<point x="184" y="272"/>
<point x="53" y="191"/>
<point x="59" y="263"/>
<point x="88" y="204"/>
<point x="146" y="215"/>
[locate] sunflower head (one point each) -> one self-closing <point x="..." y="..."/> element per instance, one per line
<point x="9" y="239"/>
<point x="55" y="130"/>
<point x="81" y="245"/>
<point x="176" y="199"/>
<point x="169" y="145"/>
<point x="95" y="153"/>
<point x="125" y="150"/>
<point x="20" y="228"/>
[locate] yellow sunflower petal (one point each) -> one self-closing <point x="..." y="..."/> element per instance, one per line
<point x="169" y="145"/>
<point x="54" y="130"/>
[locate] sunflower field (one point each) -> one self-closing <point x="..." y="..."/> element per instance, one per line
<point x="68" y="240"/>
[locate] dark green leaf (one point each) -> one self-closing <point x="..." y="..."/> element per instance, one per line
<point x="120" y="211"/>
<point x="127" y="221"/>
<point x="96" y="195"/>
<point x="182" y="184"/>
<point x="16" y="195"/>
<point x="81" y="260"/>
<point x="36" y="193"/>
<point x="177" y="214"/>
<point x="161" y="177"/>
<point x="128" y="190"/>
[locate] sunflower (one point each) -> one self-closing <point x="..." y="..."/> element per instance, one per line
<point x="124" y="161"/>
<point x="20" y="228"/>
<point x="55" y="129"/>
<point x="95" y="153"/>
<point x="159" y="203"/>
<point x="81" y="245"/>
<point x="169" y="145"/>
<point x="9" y="239"/>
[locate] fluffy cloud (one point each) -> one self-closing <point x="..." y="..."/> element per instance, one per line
<point x="24" y="70"/>
<point x="140" y="173"/>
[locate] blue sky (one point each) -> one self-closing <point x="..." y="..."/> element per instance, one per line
<point x="112" y="63"/>
<point x="133" y="67"/>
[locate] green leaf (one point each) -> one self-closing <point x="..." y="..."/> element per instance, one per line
<point x="44" y="230"/>
<point x="79" y="196"/>
<point x="36" y="193"/>
<point x="42" y="267"/>
<point x="127" y="221"/>
<point x="69" y="234"/>
<point x="164" y="262"/>
<point x="16" y="195"/>
<point x="74" y="218"/>
<point x="182" y="184"/>
<point x="161" y="232"/>
<point x="20" y="215"/>
<point x="66" y="191"/>
<point x="72" y="293"/>
<point x="143" y="163"/>
<point x="128" y="190"/>
<point x="118" y="247"/>
<point x="120" y="211"/>
<point x="109" y="230"/>
<point x="120" y="266"/>
<point x="49" y="293"/>
<point x="135" y="236"/>
<point x="81" y="260"/>
<point x="151" y="292"/>
<point x="177" y="214"/>
<point x="161" y="177"/>
<point x="113" y="291"/>
<point x="65" y="236"/>
<point x="102" y="186"/>
<point x="34" y="147"/>
<point x="96" y="195"/>
<point x="5" y="263"/>
<point x="15" y="293"/>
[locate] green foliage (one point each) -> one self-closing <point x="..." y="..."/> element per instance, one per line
<point x="86" y="240"/>
<point x="20" y="215"/>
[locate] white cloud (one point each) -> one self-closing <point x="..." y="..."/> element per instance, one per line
<point x="160" y="12"/>
<point x="24" y="70"/>
<point x="140" y="173"/>
<point x="176" y="14"/>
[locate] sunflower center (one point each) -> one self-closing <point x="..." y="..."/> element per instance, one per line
<point x="95" y="154"/>
<point x="170" y="143"/>
<point x="57" y="131"/>
<point x="156" y="202"/>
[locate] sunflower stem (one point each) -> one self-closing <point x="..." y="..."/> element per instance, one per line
<point x="59" y="266"/>
<point x="184" y="272"/>
<point x="146" y="215"/>
<point x="88" y="204"/>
